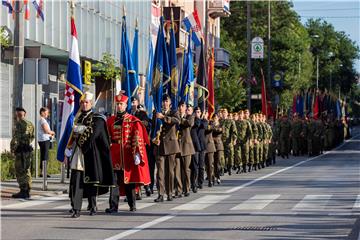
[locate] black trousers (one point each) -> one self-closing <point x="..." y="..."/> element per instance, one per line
<point x="78" y="189"/>
<point x="197" y="169"/>
<point x="115" y="191"/>
<point x="201" y="167"/>
<point x="44" y="151"/>
<point x="152" y="162"/>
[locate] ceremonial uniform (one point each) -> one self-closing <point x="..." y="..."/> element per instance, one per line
<point x="21" y="146"/>
<point x="186" y="150"/>
<point x="91" y="167"/>
<point x="219" y="161"/>
<point x="210" y="150"/>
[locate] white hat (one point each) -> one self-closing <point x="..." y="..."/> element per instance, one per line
<point x="88" y="96"/>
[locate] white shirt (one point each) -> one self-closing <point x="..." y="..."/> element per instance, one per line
<point x="42" y="136"/>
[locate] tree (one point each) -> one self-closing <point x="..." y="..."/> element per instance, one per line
<point x="336" y="52"/>
<point x="4" y="38"/>
<point x="107" y="68"/>
<point x="290" y="52"/>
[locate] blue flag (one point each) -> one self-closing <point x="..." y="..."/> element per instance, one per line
<point x="160" y="75"/>
<point x="149" y="73"/>
<point x="188" y="80"/>
<point x="174" y="76"/>
<point x="135" y="52"/>
<point x="129" y="77"/>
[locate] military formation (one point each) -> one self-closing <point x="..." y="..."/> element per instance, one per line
<point x="190" y="149"/>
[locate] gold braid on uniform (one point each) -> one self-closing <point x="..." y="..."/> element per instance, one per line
<point x="88" y="131"/>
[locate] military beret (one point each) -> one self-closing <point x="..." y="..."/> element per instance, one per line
<point x="197" y="109"/>
<point x="182" y="102"/>
<point x="20" y="109"/>
<point x="133" y="98"/>
<point x="165" y="97"/>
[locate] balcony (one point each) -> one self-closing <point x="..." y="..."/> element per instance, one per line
<point x="219" y="8"/>
<point x="222" y="58"/>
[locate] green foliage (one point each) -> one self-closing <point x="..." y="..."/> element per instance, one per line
<point x="8" y="160"/>
<point x="107" y="68"/>
<point x="290" y="51"/>
<point x="7" y="166"/>
<point x="4" y="40"/>
<point x="339" y="66"/>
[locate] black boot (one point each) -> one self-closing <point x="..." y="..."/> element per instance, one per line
<point x="147" y="191"/>
<point x="249" y="168"/>
<point x="22" y="194"/>
<point x="229" y="171"/>
<point x="75" y="214"/>
<point x="159" y="199"/>
<point x="263" y="164"/>
<point x="259" y="166"/>
<point x="244" y="169"/>
<point x="238" y="170"/>
<point x="255" y="167"/>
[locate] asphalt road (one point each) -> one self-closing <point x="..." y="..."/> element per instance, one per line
<point x="298" y="198"/>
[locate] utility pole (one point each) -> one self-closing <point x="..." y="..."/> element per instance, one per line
<point x="18" y="57"/>
<point x="269" y="50"/>
<point x="248" y="40"/>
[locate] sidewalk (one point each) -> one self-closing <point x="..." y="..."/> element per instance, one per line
<point x="54" y="187"/>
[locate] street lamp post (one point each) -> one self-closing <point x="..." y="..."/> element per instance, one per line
<point x="317" y="63"/>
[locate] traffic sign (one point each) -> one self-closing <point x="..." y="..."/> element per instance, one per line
<point x="257" y="48"/>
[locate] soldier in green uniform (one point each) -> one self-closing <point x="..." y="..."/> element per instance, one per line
<point x="318" y="137"/>
<point x="229" y="139"/>
<point x="284" y="134"/>
<point x="261" y="138"/>
<point x="267" y="140"/>
<point x="21" y="146"/>
<point x="253" y="146"/>
<point x="295" y="134"/>
<point x="310" y="129"/>
<point x="272" y="143"/>
<point x="303" y="136"/>
<point x="244" y="139"/>
<point x="237" y="147"/>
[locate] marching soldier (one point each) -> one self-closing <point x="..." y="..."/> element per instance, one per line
<point x="284" y="133"/>
<point x="254" y="147"/>
<point x="186" y="145"/>
<point x="201" y="125"/>
<point x="21" y="147"/>
<point x="229" y="139"/>
<point x="267" y="141"/>
<point x="244" y="138"/>
<point x="128" y="150"/>
<point x="261" y="140"/>
<point x="168" y="148"/>
<point x="219" y="160"/>
<point x="237" y="147"/>
<point x="295" y="135"/>
<point x="210" y="150"/>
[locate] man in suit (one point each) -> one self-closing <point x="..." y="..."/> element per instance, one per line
<point x="168" y="148"/>
<point x="186" y="145"/>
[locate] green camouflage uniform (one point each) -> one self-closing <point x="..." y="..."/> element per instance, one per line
<point x="260" y="145"/>
<point x="229" y="136"/>
<point x="237" y="147"/>
<point x="20" y="146"/>
<point x="255" y="134"/>
<point x="310" y="132"/>
<point x="296" y="129"/>
<point x="285" y="128"/>
<point x="244" y="138"/>
<point x="268" y="136"/>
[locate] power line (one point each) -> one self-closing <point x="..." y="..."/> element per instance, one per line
<point x="329" y="16"/>
<point x="329" y="9"/>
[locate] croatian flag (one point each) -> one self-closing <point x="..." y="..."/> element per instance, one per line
<point x="38" y="4"/>
<point x="193" y="22"/>
<point x="7" y="4"/>
<point x="73" y="93"/>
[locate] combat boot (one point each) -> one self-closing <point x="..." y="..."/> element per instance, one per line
<point x="21" y="194"/>
<point x="244" y="169"/>
<point x="238" y="170"/>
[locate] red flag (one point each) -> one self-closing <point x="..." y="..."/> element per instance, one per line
<point x="263" y="95"/>
<point x="27" y="10"/>
<point x="211" y="99"/>
<point x="316" y="107"/>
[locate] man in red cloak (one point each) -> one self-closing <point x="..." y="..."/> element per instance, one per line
<point x="128" y="152"/>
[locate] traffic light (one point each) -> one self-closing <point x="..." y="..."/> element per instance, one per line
<point x="87" y="72"/>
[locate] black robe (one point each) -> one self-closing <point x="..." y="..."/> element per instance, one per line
<point x="95" y="146"/>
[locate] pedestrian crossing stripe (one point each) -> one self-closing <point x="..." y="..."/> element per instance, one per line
<point x="312" y="202"/>
<point x="201" y="203"/>
<point x="257" y="202"/>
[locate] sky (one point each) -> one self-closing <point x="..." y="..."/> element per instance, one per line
<point x="343" y="15"/>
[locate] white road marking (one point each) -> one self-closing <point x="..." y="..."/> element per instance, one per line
<point x="83" y="207"/>
<point x="201" y="203"/>
<point x="357" y="202"/>
<point x="37" y="202"/>
<point x="139" y="205"/>
<point x="285" y="169"/>
<point x="312" y="202"/>
<point x="141" y="227"/>
<point x="257" y="202"/>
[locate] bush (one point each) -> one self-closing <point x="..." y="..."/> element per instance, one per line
<point x="7" y="166"/>
<point x="8" y="169"/>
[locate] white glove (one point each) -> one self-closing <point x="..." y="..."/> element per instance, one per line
<point x="68" y="152"/>
<point x="137" y="159"/>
